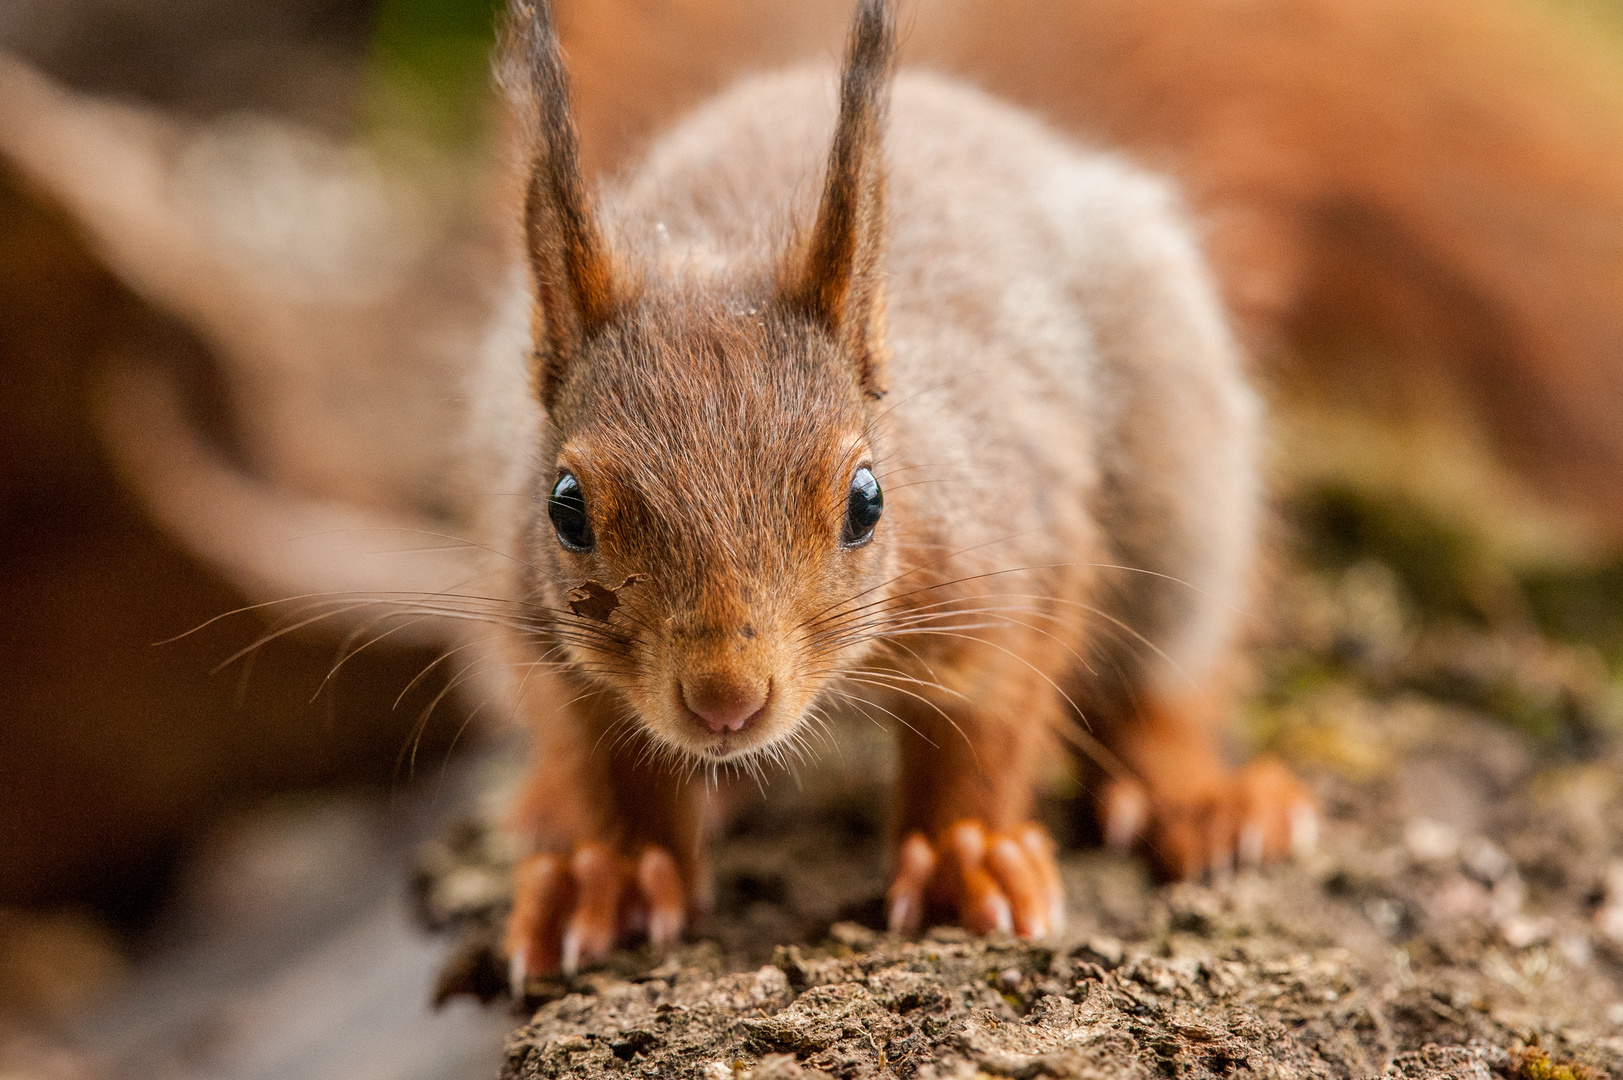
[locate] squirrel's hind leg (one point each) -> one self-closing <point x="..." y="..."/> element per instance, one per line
<point x="1195" y="815"/>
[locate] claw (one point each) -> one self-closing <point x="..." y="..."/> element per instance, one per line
<point x="1126" y="811"/>
<point x="1304" y="830"/>
<point x="569" y="952"/>
<point x="518" y="975"/>
<point x="1249" y="817"/>
<point x="570" y="913"/>
<point x="997" y="881"/>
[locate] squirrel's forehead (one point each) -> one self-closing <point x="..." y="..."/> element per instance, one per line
<point x="706" y="444"/>
<point x="723" y="413"/>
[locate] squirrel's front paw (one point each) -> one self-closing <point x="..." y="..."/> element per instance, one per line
<point x="1254" y="815"/>
<point x="570" y="910"/>
<point x="994" y="880"/>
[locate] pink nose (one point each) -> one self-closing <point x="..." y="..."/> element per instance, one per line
<point x="723" y="702"/>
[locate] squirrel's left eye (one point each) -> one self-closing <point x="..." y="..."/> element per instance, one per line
<point x="864" y="503"/>
<point x="567" y="509"/>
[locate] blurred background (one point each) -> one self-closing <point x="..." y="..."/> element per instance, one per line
<point x="175" y="841"/>
<point x="1416" y="211"/>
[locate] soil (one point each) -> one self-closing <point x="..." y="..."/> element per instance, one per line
<point x="1461" y="917"/>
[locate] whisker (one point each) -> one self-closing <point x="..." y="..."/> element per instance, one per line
<point x="861" y="703"/>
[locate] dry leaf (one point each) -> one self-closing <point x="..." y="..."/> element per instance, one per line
<point x="595" y="600"/>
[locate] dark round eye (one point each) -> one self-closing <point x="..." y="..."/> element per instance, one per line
<point x="567" y="509"/>
<point x="863" y="505"/>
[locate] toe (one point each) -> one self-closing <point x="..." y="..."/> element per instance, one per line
<point x="660" y="886"/>
<point x="1221" y="834"/>
<point x="1011" y="867"/>
<point x="540" y="892"/>
<point x="1278" y="808"/>
<point x="592" y="930"/>
<point x="1003" y="881"/>
<point x="1249" y="818"/>
<point x="1040" y="847"/>
<point x="981" y="904"/>
<point x="915" y="866"/>
<point x="1252" y="845"/>
<point x="1180" y="841"/>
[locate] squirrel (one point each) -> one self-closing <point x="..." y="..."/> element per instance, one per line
<point x="958" y="438"/>
<point x="1292" y="126"/>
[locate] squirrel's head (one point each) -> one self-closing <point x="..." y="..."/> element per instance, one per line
<point x="708" y="512"/>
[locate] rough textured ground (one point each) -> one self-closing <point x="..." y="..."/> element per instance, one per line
<point x="1463" y="916"/>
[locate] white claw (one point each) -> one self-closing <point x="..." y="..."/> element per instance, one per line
<point x="901" y="915"/>
<point x="664" y="927"/>
<point x="570" y="950"/>
<point x="1125" y="819"/>
<point x="517" y="976"/>
<point x="1304" y="831"/>
<point x="1002" y="916"/>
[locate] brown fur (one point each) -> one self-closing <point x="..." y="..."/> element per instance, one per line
<point x="1067" y="452"/>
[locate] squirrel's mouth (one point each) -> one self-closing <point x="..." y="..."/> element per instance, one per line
<point x="719" y="747"/>
<point x="730" y="745"/>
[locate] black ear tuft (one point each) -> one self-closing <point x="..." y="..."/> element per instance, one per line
<point x="836" y="274"/>
<point x="576" y="290"/>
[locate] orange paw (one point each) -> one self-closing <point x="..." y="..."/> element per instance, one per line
<point x="1252" y="816"/>
<point x="570" y="910"/>
<point x="1004" y="881"/>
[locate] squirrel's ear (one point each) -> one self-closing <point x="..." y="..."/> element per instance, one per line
<point x="836" y="274"/>
<point x="575" y="282"/>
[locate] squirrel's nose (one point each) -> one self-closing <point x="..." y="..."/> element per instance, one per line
<point x="725" y="702"/>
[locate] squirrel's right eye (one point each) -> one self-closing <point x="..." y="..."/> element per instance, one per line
<point x="567" y="509"/>
<point x="864" y="503"/>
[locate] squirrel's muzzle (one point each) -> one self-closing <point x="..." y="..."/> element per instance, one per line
<point x="724" y="701"/>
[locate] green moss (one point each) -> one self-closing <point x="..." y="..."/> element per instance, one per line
<point x="1583" y="605"/>
<point x="429" y="70"/>
<point x="1441" y="567"/>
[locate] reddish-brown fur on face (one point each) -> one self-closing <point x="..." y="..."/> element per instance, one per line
<point x="714" y="443"/>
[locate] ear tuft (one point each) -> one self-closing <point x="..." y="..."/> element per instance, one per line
<point x="836" y="274"/>
<point x="575" y="282"/>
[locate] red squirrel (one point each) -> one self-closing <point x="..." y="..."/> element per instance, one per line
<point x="1333" y="164"/>
<point x="905" y="407"/>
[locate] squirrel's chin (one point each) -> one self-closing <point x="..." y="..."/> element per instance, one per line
<point x="728" y="746"/>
